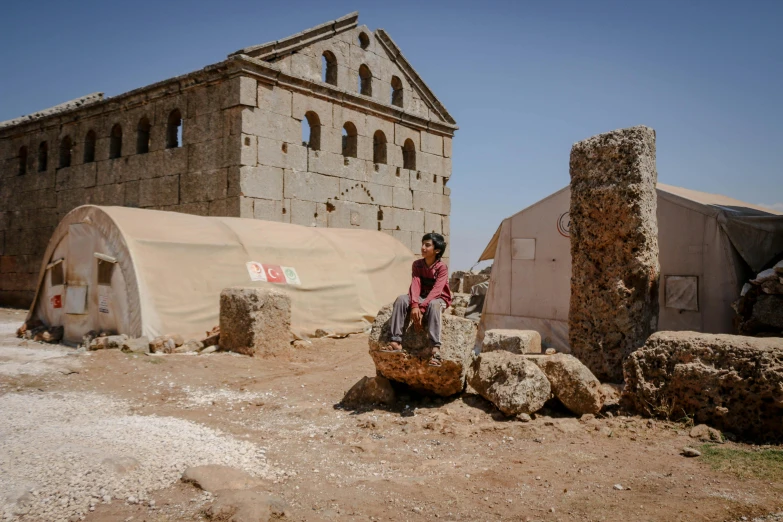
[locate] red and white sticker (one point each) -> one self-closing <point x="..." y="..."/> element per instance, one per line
<point x="273" y="273"/>
<point x="57" y="301"/>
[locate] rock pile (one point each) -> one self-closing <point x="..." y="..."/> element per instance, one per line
<point x="462" y="281"/>
<point x="514" y="341"/>
<point x="412" y="367"/>
<point x="731" y="382"/>
<point x="35" y="330"/>
<point x="459" y="304"/>
<point x="511" y="382"/>
<point x="760" y="306"/>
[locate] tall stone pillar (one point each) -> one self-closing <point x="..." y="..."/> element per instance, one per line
<point x="614" y="248"/>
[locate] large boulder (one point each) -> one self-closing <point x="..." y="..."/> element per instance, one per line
<point x="254" y="321"/>
<point x="370" y="390"/>
<point x="730" y="382"/>
<point x="412" y="367"/>
<point x="511" y="382"/>
<point x="514" y="341"/>
<point x="572" y="382"/>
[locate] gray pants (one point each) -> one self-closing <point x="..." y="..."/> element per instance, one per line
<point x="431" y="320"/>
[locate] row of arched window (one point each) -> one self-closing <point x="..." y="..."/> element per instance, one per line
<point x="329" y="75"/>
<point x="350" y="139"/>
<point x="143" y="133"/>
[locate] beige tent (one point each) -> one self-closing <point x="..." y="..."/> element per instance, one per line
<point x="146" y="272"/>
<point x="709" y="246"/>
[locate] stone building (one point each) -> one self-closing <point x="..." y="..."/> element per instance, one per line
<point x="331" y="127"/>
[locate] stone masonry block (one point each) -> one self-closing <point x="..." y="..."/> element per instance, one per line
<point x="402" y="198"/>
<point x="261" y="122"/>
<point x="355" y="169"/>
<point x="375" y="123"/>
<point x="433" y="223"/>
<point x="261" y="182"/>
<point x="341" y="115"/>
<point x="268" y="210"/>
<point x="432" y="144"/>
<point x="241" y="90"/>
<point x="306" y="66"/>
<point x="308" y="213"/>
<point x="402" y="133"/>
<point x="203" y="186"/>
<point x="614" y="248"/>
<point x="405" y="237"/>
<point x="157" y="192"/>
<point x="240" y="206"/>
<point x="207" y="155"/>
<point x="218" y="208"/>
<point x="205" y="99"/>
<point x="446" y="147"/>
<point x="325" y="162"/>
<point x="397" y="218"/>
<point x="302" y="104"/>
<point x="446" y="226"/>
<point x="514" y="341"/>
<point x="429" y="163"/>
<point x="347" y="214"/>
<point x="331" y="140"/>
<point x="369" y="193"/>
<point x="435" y="203"/>
<point x="275" y="99"/>
<point x="131" y="194"/>
<point x="109" y="195"/>
<point x="309" y="186"/>
<point x="254" y="321"/>
<point x="426" y="182"/>
<point x="388" y="175"/>
<point x="204" y="127"/>
<point x="364" y="149"/>
<point x="274" y="153"/>
<point x="166" y="162"/>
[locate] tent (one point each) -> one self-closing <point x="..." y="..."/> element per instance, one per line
<point x="709" y="245"/>
<point x="147" y="272"/>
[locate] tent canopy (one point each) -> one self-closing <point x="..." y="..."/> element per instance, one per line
<point x="146" y="272"/>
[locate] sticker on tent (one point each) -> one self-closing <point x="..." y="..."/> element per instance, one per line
<point x="273" y="273"/>
<point x="57" y="301"/>
<point x="103" y="304"/>
<point x="564" y="224"/>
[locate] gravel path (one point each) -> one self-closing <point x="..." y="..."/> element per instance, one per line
<point x="60" y="454"/>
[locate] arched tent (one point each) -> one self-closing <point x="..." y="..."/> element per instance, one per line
<point x="709" y="245"/>
<point x="147" y="272"/>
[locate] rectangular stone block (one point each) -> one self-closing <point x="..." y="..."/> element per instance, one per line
<point x="325" y="162"/>
<point x="402" y="198"/>
<point x="306" y="66"/>
<point x="158" y="192"/>
<point x="308" y="213"/>
<point x="203" y="186"/>
<point x="241" y="90"/>
<point x="447" y="147"/>
<point x="355" y="169"/>
<point x="132" y="194"/>
<point x="268" y="124"/>
<point x="207" y="155"/>
<point x="310" y="186"/>
<point x="198" y="208"/>
<point x="374" y="123"/>
<point x="269" y="210"/>
<point x="514" y="341"/>
<point x="205" y="99"/>
<point x="219" y="208"/>
<point x="388" y="175"/>
<point x="275" y="99"/>
<point x="396" y="218"/>
<point x="446" y="226"/>
<point x="614" y="245"/>
<point x="402" y="133"/>
<point x="429" y="163"/>
<point x="68" y="200"/>
<point x="259" y="182"/>
<point x="274" y="153"/>
<point x="433" y="223"/>
<point x="365" y="192"/>
<point x="166" y="162"/>
<point x="303" y="104"/>
<point x="431" y="202"/>
<point x="254" y="321"/>
<point x="405" y="237"/>
<point x="432" y="144"/>
<point x="109" y="195"/>
<point x="347" y="214"/>
<point x="426" y="182"/>
<point x="204" y="127"/>
<point x="342" y="115"/>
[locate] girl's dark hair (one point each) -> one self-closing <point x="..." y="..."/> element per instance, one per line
<point x="437" y="241"/>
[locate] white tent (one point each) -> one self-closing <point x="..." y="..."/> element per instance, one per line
<point x="708" y="247"/>
<point x="147" y="272"/>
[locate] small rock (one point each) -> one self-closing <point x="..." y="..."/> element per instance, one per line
<point x="523" y="417"/>
<point x="139" y="345"/>
<point x="108" y="342"/>
<point x="191" y="345"/>
<point x="618" y="487"/>
<point x="691" y="452"/>
<point x="214" y="478"/>
<point x="551" y="351"/>
<point x="514" y="341"/>
<point x="705" y="433"/>
<point x="209" y="349"/>
<point x="370" y="390"/>
<point x="511" y="382"/>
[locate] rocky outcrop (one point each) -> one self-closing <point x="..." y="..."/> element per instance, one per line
<point x="514" y="341"/>
<point x="730" y="382"/>
<point x="572" y="382"/>
<point x="614" y="248"/>
<point x="254" y="321"/>
<point x="370" y="390"/>
<point x="412" y="367"/>
<point x="513" y="383"/>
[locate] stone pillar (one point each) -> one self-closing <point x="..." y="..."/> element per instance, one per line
<point x="614" y="248"/>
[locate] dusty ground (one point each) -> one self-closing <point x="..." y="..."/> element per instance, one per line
<point x="278" y="418"/>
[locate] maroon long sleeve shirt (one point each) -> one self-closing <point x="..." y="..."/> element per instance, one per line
<point x="428" y="283"/>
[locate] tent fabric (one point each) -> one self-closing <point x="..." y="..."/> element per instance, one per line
<point x="170" y="269"/>
<point x="712" y="239"/>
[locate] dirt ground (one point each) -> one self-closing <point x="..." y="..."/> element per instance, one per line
<point x="428" y="459"/>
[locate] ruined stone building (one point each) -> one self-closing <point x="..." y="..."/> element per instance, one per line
<point x="330" y="127"/>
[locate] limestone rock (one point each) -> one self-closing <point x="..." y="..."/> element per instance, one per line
<point x="254" y="321"/>
<point x="246" y="506"/>
<point x="731" y="382"/>
<point x="162" y="344"/>
<point x="108" y="342"/>
<point x="458" y="336"/>
<point x="209" y="349"/>
<point x="514" y="341"/>
<point x="53" y="334"/>
<point x="139" y="345"/>
<point x="370" y="390"/>
<point x="614" y="248"/>
<point x="212" y="337"/>
<point x="705" y="433"/>
<point x="191" y="345"/>
<point x="572" y="382"/>
<point x="511" y="382"/>
<point x="215" y="477"/>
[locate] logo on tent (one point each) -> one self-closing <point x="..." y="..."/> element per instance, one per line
<point x="564" y="224"/>
<point x="272" y="273"/>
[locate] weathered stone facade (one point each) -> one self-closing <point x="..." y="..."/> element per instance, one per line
<point x="614" y="248"/>
<point x="228" y="141"/>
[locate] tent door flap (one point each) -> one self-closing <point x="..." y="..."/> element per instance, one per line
<point x="76" y="299"/>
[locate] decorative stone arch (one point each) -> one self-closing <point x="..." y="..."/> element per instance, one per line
<point x="313" y="128"/>
<point x="89" y="146"/>
<point x="365" y="80"/>
<point x="329" y="68"/>
<point x="143" y="133"/>
<point x="115" y="143"/>
<point x="409" y="155"/>
<point x="379" y="147"/>
<point x="396" y="91"/>
<point x="66" y="150"/>
<point x="350" y="140"/>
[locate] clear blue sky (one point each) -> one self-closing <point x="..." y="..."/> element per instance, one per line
<point x="524" y="80"/>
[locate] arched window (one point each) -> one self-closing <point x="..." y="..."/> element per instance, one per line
<point x="396" y="91"/>
<point x="365" y="80"/>
<point x="409" y="155"/>
<point x="66" y="146"/>
<point x="364" y="40"/>
<point x="174" y="130"/>
<point x="115" y="144"/>
<point x="329" y="68"/>
<point x="311" y="131"/>
<point x="89" y="147"/>
<point x="43" y="156"/>
<point x="349" y="140"/>
<point x="143" y="136"/>
<point x="22" y="161"/>
<point x="379" y="147"/>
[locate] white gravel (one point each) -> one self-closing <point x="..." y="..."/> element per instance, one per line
<point x="54" y="450"/>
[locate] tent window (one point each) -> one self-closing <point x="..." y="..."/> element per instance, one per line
<point x="57" y="275"/>
<point x="105" y="271"/>
<point x="682" y="292"/>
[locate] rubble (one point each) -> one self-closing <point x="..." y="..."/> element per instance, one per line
<point x="139" y="345"/>
<point x="514" y="341"/>
<point x="511" y="382"/>
<point x="759" y="310"/>
<point x="254" y="321"/>
<point x="463" y="281"/>
<point x="108" y="342"/>
<point x="730" y="382"/>
<point x="459" y="304"/>
<point x="614" y="248"/>
<point x="572" y="382"/>
<point x="412" y="367"/>
<point x="166" y="343"/>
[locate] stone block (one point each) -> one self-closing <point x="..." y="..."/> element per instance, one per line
<point x="426" y="182"/>
<point x="275" y="99"/>
<point x="412" y="368"/>
<point x="614" y="248"/>
<point x="447" y="147"/>
<point x="308" y="213"/>
<point x="433" y="223"/>
<point x="509" y="381"/>
<point x="197" y="208"/>
<point x="374" y="123"/>
<point x="303" y="104"/>
<point x="332" y="141"/>
<point x="310" y="186"/>
<point x="241" y="90"/>
<point x="131" y="194"/>
<point x="402" y="198"/>
<point x="406" y="237"/>
<point x="370" y="390"/>
<point x="341" y="115"/>
<point x="157" y="192"/>
<point x="396" y="218"/>
<point x="513" y="341"/>
<point x="347" y="214"/>
<point x="368" y="193"/>
<point x="254" y="321"/>
<point x="203" y="186"/>
<point x="240" y="206"/>
<point x="274" y="153"/>
<point x="730" y="382"/>
<point x="353" y="168"/>
<point x="402" y="133"/>
<point x="572" y="382"/>
<point x="207" y="155"/>
<point x="204" y="127"/>
<point x="364" y="149"/>
<point x="306" y="66"/>
<point x="446" y="226"/>
<point x="269" y="210"/>
<point x="388" y="175"/>
<point x="215" y="478"/>
<point x="166" y="162"/>
<point x="108" y="195"/>
<point x="256" y="182"/>
<point x="272" y="125"/>
<point x="219" y="208"/>
<point x="431" y="202"/>
<point x="429" y="163"/>
<point x="432" y="144"/>
<point x="205" y="99"/>
<point x="325" y="162"/>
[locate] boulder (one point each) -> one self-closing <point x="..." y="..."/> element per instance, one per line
<point x="191" y="345"/>
<point x="254" y="321"/>
<point x="511" y="382"/>
<point x="514" y="341"/>
<point x="246" y="506"/>
<point x="162" y="344"/>
<point x="730" y="382"/>
<point x="215" y="477"/>
<point x="412" y="367"/>
<point x="108" y="342"/>
<point x="139" y="345"/>
<point x="705" y="433"/>
<point x="572" y="382"/>
<point x="370" y="390"/>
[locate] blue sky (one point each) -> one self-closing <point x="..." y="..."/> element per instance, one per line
<point x="524" y="80"/>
